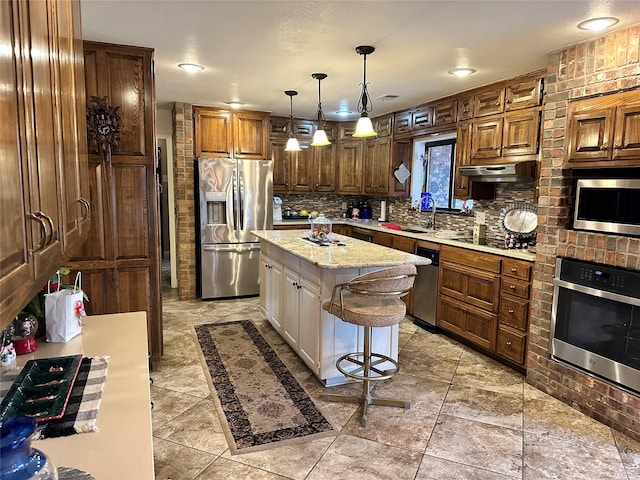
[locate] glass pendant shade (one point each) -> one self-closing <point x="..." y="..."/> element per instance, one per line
<point x="364" y="127"/>
<point x="320" y="139"/>
<point x="292" y="142"/>
<point x="292" y="145"/>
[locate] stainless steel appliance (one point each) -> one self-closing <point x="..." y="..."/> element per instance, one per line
<point x="595" y="320"/>
<point x="235" y="198"/>
<point x="426" y="290"/>
<point x="501" y="173"/>
<point x="608" y="205"/>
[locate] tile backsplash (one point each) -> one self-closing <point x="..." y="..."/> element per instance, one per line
<point x="399" y="209"/>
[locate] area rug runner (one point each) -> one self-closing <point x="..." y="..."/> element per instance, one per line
<point x="259" y="401"/>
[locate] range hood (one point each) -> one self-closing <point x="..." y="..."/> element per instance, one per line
<point x="500" y="172"/>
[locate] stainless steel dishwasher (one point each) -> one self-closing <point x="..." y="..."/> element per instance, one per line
<point x="426" y="290"/>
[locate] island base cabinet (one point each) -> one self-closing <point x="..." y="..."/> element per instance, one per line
<point x="271" y="274"/>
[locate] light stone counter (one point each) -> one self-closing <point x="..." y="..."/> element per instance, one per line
<point x="354" y="254"/>
<point x="426" y="236"/>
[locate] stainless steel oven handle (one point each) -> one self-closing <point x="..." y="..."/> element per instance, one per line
<point x="594" y="292"/>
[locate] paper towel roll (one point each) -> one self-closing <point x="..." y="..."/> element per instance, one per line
<point x="383" y="211"/>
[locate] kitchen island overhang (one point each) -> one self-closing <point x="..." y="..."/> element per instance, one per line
<point x="297" y="277"/>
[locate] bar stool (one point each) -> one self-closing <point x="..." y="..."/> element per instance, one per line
<point x="371" y="300"/>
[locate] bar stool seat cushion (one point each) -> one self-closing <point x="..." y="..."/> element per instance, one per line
<point x="368" y="311"/>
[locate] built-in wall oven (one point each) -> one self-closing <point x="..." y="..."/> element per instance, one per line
<point x="595" y="320"/>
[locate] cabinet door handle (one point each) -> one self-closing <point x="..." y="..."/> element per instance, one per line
<point x="512" y="287"/>
<point x="43" y="224"/>
<point x="604" y="146"/>
<point x="508" y="344"/>
<point x="54" y="232"/>
<point x="618" y="146"/>
<point x="49" y="221"/>
<point x="510" y="310"/>
<point x="514" y="270"/>
<point x="87" y="207"/>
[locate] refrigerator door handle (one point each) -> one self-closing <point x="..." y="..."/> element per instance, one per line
<point x="231" y="204"/>
<point x="240" y="199"/>
<point x="231" y="247"/>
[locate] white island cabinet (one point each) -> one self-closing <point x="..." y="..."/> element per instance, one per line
<point x="298" y="276"/>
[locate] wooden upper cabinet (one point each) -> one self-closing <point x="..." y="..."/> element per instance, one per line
<point x="445" y="113"/>
<point x="513" y="95"/>
<point x="350" y="174"/>
<point x="525" y="94"/>
<point x="402" y="123"/>
<point x="401" y="153"/>
<point x="422" y="117"/>
<point x="250" y="135"/>
<point x="281" y="165"/>
<point x="302" y="180"/>
<point x="463" y="187"/>
<point x="488" y="102"/>
<point x="224" y="134"/>
<point x="465" y="107"/>
<point x="604" y="131"/>
<point x="214" y="133"/>
<point x="377" y="158"/>
<point x="507" y="137"/>
<point x="383" y="125"/>
<point x="415" y="120"/>
<point x="324" y="168"/>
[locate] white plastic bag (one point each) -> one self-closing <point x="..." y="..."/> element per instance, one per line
<point x="63" y="312"/>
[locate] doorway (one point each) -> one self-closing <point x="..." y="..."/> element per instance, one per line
<point x="167" y="206"/>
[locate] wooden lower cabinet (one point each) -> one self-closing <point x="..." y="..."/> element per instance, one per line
<point x="485" y="300"/>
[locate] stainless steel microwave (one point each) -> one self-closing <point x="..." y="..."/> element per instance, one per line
<point x="608" y="205"/>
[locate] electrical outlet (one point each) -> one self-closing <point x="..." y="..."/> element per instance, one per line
<point x="344" y="205"/>
<point x="481" y="218"/>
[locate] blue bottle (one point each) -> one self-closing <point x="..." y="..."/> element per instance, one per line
<point x="18" y="461"/>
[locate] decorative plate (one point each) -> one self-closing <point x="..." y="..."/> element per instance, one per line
<point x="42" y="389"/>
<point x="518" y="219"/>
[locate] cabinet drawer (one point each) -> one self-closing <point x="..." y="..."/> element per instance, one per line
<point x="511" y="344"/>
<point x="483" y="261"/>
<point x="471" y="286"/>
<point x="517" y="268"/>
<point x="514" y="312"/>
<point x="381" y="238"/>
<point x="472" y="323"/>
<point x="511" y="286"/>
<point x="403" y="243"/>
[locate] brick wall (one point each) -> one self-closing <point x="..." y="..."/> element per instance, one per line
<point x="184" y="199"/>
<point x="606" y="64"/>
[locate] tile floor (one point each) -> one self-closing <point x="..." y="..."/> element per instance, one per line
<point x="471" y="418"/>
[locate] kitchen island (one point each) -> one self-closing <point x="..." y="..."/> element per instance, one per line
<point x="297" y="276"/>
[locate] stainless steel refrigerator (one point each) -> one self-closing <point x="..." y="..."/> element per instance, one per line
<point x="236" y="196"/>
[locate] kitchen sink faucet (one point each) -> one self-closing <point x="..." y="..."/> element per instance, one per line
<point x="432" y="221"/>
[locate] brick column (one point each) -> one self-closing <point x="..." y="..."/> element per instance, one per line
<point x="184" y="200"/>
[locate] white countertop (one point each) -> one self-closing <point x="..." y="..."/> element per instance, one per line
<point x="519" y="254"/>
<point x="354" y="254"/>
<point x="122" y="449"/>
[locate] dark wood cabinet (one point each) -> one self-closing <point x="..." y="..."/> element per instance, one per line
<point x="401" y="154"/>
<point x="44" y="202"/>
<point x="507" y="96"/>
<point x="324" y="167"/>
<point x="445" y="113"/>
<point x="463" y="187"/>
<point x="377" y="158"/>
<point x="120" y="262"/>
<point x="509" y="137"/>
<point x="413" y="121"/>
<point x="604" y="131"/>
<point x="222" y="133"/>
<point x="350" y="171"/>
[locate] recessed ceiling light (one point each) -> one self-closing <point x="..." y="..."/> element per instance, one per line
<point x="235" y="104"/>
<point x="462" y="71"/>
<point x="597" y="24"/>
<point x="191" y="67"/>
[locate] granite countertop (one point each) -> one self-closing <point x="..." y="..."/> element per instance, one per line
<point x="428" y="236"/>
<point x="353" y="254"/>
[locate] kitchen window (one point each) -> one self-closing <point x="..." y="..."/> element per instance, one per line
<point x="434" y="168"/>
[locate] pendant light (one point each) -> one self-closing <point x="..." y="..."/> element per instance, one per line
<point x="320" y="137"/>
<point x="364" y="127"/>
<point x="292" y="143"/>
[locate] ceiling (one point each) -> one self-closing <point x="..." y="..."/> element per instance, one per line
<point x="254" y="50"/>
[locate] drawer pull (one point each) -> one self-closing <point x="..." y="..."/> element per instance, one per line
<point x="510" y="310"/>
<point x="514" y="270"/>
<point x="508" y="344"/>
<point x="512" y="287"/>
